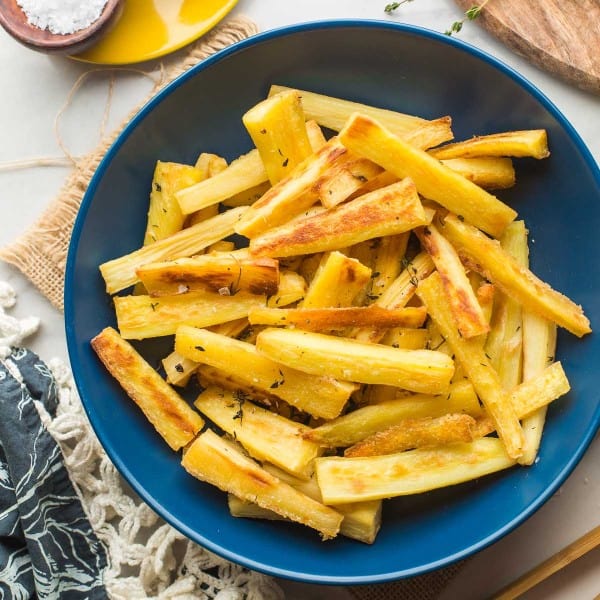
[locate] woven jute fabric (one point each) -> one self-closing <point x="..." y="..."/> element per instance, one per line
<point x="40" y="253"/>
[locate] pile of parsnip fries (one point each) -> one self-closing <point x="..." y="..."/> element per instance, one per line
<point x="381" y="334"/>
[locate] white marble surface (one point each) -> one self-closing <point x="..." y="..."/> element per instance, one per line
<point x="34" y="88"/>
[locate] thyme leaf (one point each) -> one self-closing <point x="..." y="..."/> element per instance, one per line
<point x="392" y="6"/>
<point x="469" y="15"/>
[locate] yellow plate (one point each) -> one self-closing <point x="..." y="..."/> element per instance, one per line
<point x="148" y="29"/>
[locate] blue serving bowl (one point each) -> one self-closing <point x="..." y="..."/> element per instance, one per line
<point x="392" y="66"/>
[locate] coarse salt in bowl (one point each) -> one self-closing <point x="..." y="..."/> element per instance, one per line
<point x="391" y="66"/>
<point x="66" y="16"/>
<point x="58" y="27"/>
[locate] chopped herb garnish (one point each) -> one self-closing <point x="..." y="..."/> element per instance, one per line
<point x="285" y="162"/>
<point x="443" y="340"/>
<point x="179" y="368"/>
<point x="157" y="187"/>
<point x="153" y="305"/>
<point x="460" y="217"/>
<point x="279" y="382"/>
<point x="246" y="334"/>
<point x="263" y="131"/>
<point x="200" y="348"/>
<point x="240" y="397"/>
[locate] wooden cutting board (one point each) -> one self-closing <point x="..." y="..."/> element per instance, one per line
<point x="560" y="36"/>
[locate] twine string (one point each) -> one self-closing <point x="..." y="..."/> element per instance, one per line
<point x="68" y="159"/>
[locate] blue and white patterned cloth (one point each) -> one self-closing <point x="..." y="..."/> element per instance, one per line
<point x="48" y="550"/>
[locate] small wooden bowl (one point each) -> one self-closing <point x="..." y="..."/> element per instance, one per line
<point x="14" y="21"/>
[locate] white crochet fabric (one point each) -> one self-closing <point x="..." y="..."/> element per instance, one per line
<point x="147" y="557"/>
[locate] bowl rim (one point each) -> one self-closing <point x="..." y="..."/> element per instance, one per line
<point x="271" y="34"/>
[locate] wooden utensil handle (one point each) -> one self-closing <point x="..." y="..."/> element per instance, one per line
<point x="561" y="559"/>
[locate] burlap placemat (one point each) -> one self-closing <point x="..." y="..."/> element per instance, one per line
<point x="40" y="254"/>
